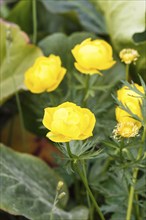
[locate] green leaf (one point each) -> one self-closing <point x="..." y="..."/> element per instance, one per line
<point x="17" y="55"/>
<point x="90" y="19"/>
<point x="21" y="14"/>
<point x="126" y="26"/>
<point x="28" y="188"/>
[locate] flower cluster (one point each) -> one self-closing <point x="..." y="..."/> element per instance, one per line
<point x="128" y="126"/>
<point x="68" y="121"/>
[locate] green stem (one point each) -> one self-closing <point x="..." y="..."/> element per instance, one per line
<point x="53" y="207"/>
<point x="86" y="90"/>
<point x="85" y="182"/>
<point x="131" y="195"/>
<point x="137" y="208"/>
<point x="34" y="18"/>
<point x="127" y="72"/>
<point x="90" y="193"/>
<point x="144" y="135"/>
<point x="88" y="198"/>
<point x="132" y="188"/>
<point x="9" y="40"/>
<point x="20" y="112"/>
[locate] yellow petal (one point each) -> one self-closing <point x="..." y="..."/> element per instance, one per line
<point x="57" y="137"/>
<point x="86" y="71"/>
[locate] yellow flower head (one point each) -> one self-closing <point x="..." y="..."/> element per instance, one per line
<point x="132" y="100"/>
<point x="125" y="129"/>
<point x="125" y="94"/>
<point x="68" y="122"/>
<point x="45" y="75"/>
<point x="123" y="116"/>
<point x="92" y="56"/>
<point x="129" y="55"/>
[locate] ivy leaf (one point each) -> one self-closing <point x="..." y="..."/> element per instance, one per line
<point x="28" y="188"/>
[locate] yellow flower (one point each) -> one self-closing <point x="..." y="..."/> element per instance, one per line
<point x="132" y="100"/>
<point x="126" y="130"/>
<point x="123" y="116"/>
<point x="129" y="55"/>
<point x="68" y="122"/>
<point x="45" y="75"/>
<point x="125" y="94"/>
<point x="92" y="56"/>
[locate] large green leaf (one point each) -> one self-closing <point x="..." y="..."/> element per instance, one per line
<point x="28" y="188"/>
<point x="126" y="25"/>
<point x="90" y="19"/>
<point x="16" y="56"/>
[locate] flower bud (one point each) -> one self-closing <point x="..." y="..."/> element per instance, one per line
<point x="61" y="195"/>
<point x="59" y="185"/>
<point x="129" y="55"/>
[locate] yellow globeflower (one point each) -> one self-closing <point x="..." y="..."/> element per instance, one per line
<point x="126" y="130"/>
<point x="93" y="56"/>
<point x="132" y="100"/>
<point x="129" y="55"/>
<point x="68" y="122"/>
<point x="123" y="116"/>
<point x="125" y="94"/>
<point x="45" y="75"/>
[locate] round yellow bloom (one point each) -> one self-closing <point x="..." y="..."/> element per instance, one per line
<point x="129" y="55"/>
<point x="68" y="122"/>
<point x="126" y="130"/>
<point x="45" y="75"/>
<point x="92" y="56"/>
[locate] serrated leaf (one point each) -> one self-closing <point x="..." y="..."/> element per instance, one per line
<point x="28" y="188"/>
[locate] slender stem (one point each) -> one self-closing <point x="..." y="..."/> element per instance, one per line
<point x="89" y="192"/>
<point x="137" y="208"/>
<point x="131" y="195"/>
<point x="53" y="207"/>
<point x="131" y="192"/>
<point x="85" y="182"/>
<point x="144" y="135"/>
<point x="9" y="40"/>
<point x="34" y="18"/>
<point x="127" y="72"/>
<point x="20" y="112"/>
<point x="86" y="90"/>
<point x="85" y="175"/>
